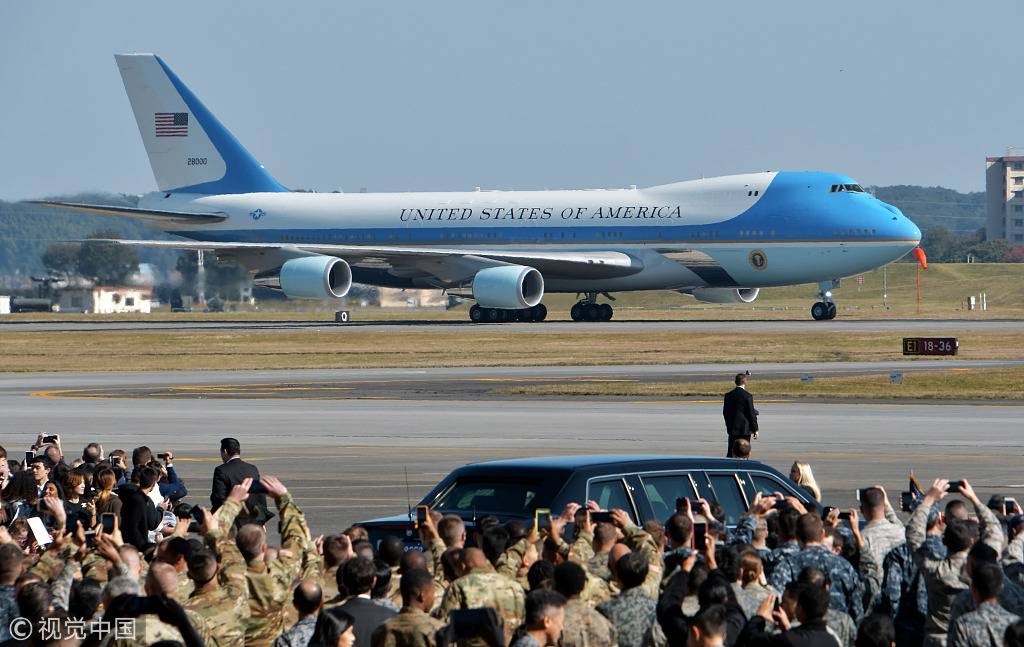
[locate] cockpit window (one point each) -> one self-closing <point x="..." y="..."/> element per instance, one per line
<point x="853" y="188"/>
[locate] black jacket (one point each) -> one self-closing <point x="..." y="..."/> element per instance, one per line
<point x="812" y="634"/>
<point x="138" y="515"/>
<point x="229" y="474"/>
<point x="368" y="615"/>
<point x="740" y="415"/>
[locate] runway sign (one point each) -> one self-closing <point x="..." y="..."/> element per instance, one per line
<point x="341" y="316"/>
<point x="930" y="345"/>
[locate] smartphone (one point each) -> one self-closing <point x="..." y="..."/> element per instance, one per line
<point x="700" y="534"/>
<point x="844" y="516"/>
<point x="906" y="501"/>
<point x="422" y="512"/>
<point x="541" y="518"/>
<point x="196" y="513"/>
<point x="1009" y="505"/>
<point x="107" y="519"/>
<point x="49" y="439"/>
<point x="681" y="504"/>
<point x="163" y="456"/>
<point x="29" y="455"/>
<point x="90" y="538"/>
<point x="955" y="487"/>
<point x="826" y="511"/>
<point x="600" y="516"/>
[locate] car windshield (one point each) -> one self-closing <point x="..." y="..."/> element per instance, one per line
<point x="502" y="496"/>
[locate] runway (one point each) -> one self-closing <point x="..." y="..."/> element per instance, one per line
<point x="344" y="457"/>
<point x="457" y="384"/>
<point x="908" y="326"/>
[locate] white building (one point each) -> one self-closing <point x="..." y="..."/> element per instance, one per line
<point x="104" y="300"/>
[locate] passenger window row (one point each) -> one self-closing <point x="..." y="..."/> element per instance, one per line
<point x="653" y="495"/>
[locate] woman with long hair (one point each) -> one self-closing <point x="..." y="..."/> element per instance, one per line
<point x="333" y="629"/>
<point x="76" y="507"/>
<point x="105" y="480"/>
<point x="802" y="475"/>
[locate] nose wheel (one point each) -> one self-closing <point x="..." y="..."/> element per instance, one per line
<point x="823" y="311"/>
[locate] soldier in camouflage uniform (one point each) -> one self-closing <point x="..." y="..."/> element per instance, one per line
<point x="481" y="586"/>
<point x="221" y="595"/>
<point x="632" y="612"/>
<point x="413" y="626"/>
<point x="148" y="629"/>
<point x="1011" y="596"/>
<point x="945" y="578"/>
<point x="584" y="626"/>
<point x="752" y="593"/>
<point x="986" y="625"/>
<point x="269" y="585"/>
<point x="846" y="591"/>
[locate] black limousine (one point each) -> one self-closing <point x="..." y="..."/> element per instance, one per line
<point x="644" y="486"/>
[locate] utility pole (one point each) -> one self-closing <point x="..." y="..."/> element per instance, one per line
<point x="885" y="287"/>
<point x="201" y="278"/>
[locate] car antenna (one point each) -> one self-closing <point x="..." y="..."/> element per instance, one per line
<point x="408" y="496"/>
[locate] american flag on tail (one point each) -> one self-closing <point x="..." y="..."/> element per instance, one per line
<point x="171" y="124"/>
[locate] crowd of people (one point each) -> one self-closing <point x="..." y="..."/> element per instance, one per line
<point x="101" y="550"/>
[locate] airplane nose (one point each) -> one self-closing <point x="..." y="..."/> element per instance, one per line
<point x="902" y="227"/>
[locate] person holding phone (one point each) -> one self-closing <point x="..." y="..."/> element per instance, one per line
<point x="171" y="487"/>
<point x="739" y="413"/>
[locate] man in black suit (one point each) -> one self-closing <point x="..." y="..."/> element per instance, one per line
<point x="138" y="513"/>
<point x="232" y="472"/>
<point x="739" y="412"/>
<point x="358" y="576"/>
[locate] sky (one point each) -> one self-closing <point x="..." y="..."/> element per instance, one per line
<point x="532" y="94"/>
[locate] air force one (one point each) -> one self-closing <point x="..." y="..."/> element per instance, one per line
<point x="719" y="239"/>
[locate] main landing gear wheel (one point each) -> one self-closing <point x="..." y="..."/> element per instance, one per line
<point x="479" y="314"/>
<point x="823" y="311"/>
<point x="591" y="311"/>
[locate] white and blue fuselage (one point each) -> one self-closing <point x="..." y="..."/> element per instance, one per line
<point x="753" y="230"/>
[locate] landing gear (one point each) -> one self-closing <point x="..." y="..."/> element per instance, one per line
<point x="824" y="310"/>
<point x="588" y="309"/>
<point x="478" y="314"/>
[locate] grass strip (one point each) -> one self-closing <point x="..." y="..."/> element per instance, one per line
<point x="957" y="384"/>
<point x="214" y="349"/>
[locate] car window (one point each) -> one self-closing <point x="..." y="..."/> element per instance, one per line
<point x="768" y="485"/>
<point x="729" y="496"/>
<point x="610" y="495"/>
<point x="662" y="492"/>
<point x="480" y="497"/>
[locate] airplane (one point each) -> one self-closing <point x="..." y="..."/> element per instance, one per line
<point x="719" y="239"/>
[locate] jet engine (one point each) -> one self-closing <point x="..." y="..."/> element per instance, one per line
<point x="725" y="295"/>
<point x="511" y="287"/>
<point x="310" y="277"/>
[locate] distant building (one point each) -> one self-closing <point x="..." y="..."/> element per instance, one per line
<point x="1004" y="198"/>
<point x="105" y="300"/>
<point x="394" y="298"/>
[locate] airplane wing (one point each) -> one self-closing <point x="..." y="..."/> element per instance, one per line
<point x="152" y="216"/>
<point x="450" y="265"/>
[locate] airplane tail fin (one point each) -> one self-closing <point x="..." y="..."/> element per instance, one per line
<point x="189" y="150"/>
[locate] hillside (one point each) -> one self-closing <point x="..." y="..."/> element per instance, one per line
<point x="27" y="229"/>
<point x="961" y="213"/>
